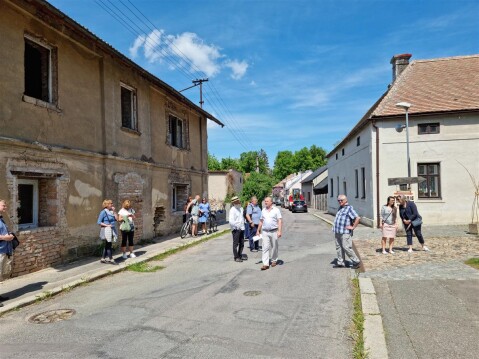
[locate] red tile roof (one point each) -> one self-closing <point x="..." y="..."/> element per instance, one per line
<point x="437" y="85"/>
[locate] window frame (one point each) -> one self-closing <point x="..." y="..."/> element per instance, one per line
<point x="427" y="127"/>
<point x="134" y="108"/>
<point x="331" y="194"/>
<point x="35" y="201"/>
<point x="428" y="176"/>
<point x="358" y="140"/>
<point x="356" y="175"/>
<point x="174" y="196"/>
<point x="363" y="182"/>
<point x="175" y="120"/>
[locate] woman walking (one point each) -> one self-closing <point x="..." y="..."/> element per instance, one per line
<point x="127" y="214"/>
<point x="412" y="221"/>
<point x="388" y="224"/>
<point x="107" y="221"/>
<point x="204" y="213"/>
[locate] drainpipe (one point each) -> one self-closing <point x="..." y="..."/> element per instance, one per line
<point x="377" y="174"/>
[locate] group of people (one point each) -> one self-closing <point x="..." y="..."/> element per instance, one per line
<point x="251" y="223"/>
<point x="347" y="220"/>
<point x="107" y="220"/>
<point x="199" y="211"/>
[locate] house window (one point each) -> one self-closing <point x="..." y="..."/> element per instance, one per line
<point x="427" y="128"/>
<point x="331" y="192"/>
<point x="128" y="108"/>
<point x="39" y="70"/>
<point x="27" y="207"/>
<point x="431" y="187"/>
<point x="345" y="191"/>
<point x="336" y="156"/>
<point x="358" y="140"/>
<point x="356" y="182"/>
<point x="342" y="152"/>
<point x="363" y="182"/>
<point x="309" y="197"/>
<point x="337" y="184"/>
<point x="176" y="133"/>
<point x="179" y="196"/>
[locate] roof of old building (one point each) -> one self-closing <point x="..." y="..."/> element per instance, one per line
<point x="433" y="86"/>
<point x="43" y="10"/>
<point x="315" y="174"/>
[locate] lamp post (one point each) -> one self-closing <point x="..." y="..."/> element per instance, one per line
<point x="405" y="106"/>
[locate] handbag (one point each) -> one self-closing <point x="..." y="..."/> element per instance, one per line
<point x="417" y="222"/>
<point x="125" y="225"/>
<point x="15" y="241"/>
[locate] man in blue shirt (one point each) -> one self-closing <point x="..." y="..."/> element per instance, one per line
<point x="6" y="248"/>
<point x="253" y="215"/>
<point x="345" y="222"/>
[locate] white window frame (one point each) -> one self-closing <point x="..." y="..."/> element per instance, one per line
<point x="34" y="201"/>
<point x="133" y="99"/>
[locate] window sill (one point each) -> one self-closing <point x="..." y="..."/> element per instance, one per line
<point x="41" y="103"/>
<point x="130" y="130"/>
<point x="33" y="230"/>
<point x="429" y="200"/>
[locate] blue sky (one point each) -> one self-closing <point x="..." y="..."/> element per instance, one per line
<point x="283" y="74"/>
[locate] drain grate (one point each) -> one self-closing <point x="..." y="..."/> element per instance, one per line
<point x="252" y="293"/>
<point x="52" y="316"/>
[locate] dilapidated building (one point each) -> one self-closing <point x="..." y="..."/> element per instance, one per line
<point x="80" y="122"/>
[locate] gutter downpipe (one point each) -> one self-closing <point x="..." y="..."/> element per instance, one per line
<point x="377" y="173"/>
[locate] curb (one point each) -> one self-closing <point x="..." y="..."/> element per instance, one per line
<point x="322" y="218"/>
<point x="101" y="273"/>
<point x="374" y="338"/>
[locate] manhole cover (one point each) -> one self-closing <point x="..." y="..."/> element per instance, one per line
<point x="252" y="293"/>
<point x="52" y="316"/>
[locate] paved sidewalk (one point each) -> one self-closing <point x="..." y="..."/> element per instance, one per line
<point x="29" y="288"/>
<point x="428" y="301"/>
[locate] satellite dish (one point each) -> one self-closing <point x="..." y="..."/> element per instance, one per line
<point x="399" y="128"/>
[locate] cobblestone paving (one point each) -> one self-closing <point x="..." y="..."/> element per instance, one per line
<point x="444" y="261"/>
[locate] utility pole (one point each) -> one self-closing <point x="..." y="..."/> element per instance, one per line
<point x="196" y="83"/>
<point x="257" y="163"/>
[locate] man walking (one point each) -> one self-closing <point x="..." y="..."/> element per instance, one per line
<point x="236" y="221"/>
<point x="270" y="227"/>
<point x="253" y="215"/>
<point x="345" y="222"/>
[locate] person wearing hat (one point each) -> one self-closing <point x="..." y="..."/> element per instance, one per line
<point x="236" y="221"/>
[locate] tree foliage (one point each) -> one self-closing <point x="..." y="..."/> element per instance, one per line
<point x="247" y="161"/>
<point x="287" y="162"/>
<point x="213" y="163"/>
<point x="283" y="164"/>
<point x="257" y="184"/>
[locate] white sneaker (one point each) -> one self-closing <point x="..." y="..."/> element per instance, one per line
<point x="124" y="256"/>
<point x="132" y="255"/>
<point x="384" y="252"/>
<point x="409" y="250"/>
<point x="425" y="249"/>
<point x="391" y="251"/>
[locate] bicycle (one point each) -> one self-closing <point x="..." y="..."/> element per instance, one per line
<point x="212" y="225"/>
<point x="186" y="227"/>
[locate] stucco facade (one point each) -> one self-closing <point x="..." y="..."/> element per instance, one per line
<point x="66" y="149"/>
<point x="223" y="183"/>
<point x="443" y="142"/>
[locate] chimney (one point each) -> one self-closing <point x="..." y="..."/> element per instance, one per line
<point x="399" y="63"/>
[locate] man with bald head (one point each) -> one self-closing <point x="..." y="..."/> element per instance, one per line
<point x="345" y="222"/>
<point x="270" y="228"/>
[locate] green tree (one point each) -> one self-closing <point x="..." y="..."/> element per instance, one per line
<point x="257" y="184"/>
<point x="284" y="164"/>
<point x="318" y="155"/>
<point x="213" y="163"/>
<point x="247" y="161"/>
<point x="303" y="160"/>
<point x="230" y="163"/>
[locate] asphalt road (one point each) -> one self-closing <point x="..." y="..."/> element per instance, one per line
<point x="203" y="305"/>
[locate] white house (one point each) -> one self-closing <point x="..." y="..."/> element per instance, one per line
<point x="309" y="182"/>
<point x="443" y="139"/>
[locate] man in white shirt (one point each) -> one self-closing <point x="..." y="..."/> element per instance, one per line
<point x="236" y="221"/>
<point x="270" y="227"/>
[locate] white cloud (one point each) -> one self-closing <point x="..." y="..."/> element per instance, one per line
<point x="238" y="68"/>
<point x="139" y="41"/>
<point x="186" y="49"/>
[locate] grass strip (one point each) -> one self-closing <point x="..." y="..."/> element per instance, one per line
<point x="473" y="262"/>
<point x="143" y="267"/>
<point x="359" y="351"/>
<point x="172" y="251"/>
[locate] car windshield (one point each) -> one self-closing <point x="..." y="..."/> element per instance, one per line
<point x="299" y="202"/>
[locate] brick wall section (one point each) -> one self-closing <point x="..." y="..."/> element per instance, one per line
<point x="130" y="186"/>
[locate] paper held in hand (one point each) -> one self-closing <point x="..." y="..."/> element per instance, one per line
<point x="256" y="238"/>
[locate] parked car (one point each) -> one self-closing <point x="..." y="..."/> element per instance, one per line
<point x="278" y="202"/>
<point x="299" y="206"/>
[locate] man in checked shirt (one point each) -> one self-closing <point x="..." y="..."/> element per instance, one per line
<point x="345" y="222"/>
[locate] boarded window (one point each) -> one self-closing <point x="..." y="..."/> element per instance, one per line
<point x="37" y="66"/>
<point x="179" y="196"/>
<point x="128" y="108"/>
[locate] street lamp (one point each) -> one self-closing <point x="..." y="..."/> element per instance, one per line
<point x="405" y="106"/>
